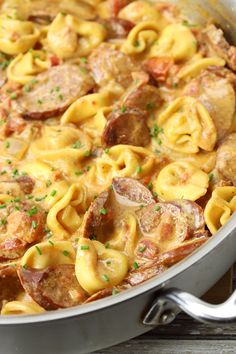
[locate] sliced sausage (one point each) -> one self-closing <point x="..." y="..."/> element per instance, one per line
<point x="12" y="248"/>
<point x="99" y="295"/>
<point x="26" y="184"/>
<point x="193" y="212"/>
<point x="159" y="68"/>
<point x="117" y="27"/>
<point x="215" y="41"/>
<point x="10" y="285"/>
<point x="109" y="64"/>
<point x="54" y="287"/>
<point x="15" y="123"/>
<point x="17" y="187"/>
<point x="218" y="96"/>
<point x="177" y="254"/>
<point x="96" y="216"/>
<point x="226" y="158"/>
<point x="147" y="249"/>
<point x="130" y="192"/>
<point x="54" y="90"/>
<point x="146" y="98"/>
<point x="126" y="127"/>
<point x="164" y="221"/>
<point x="145" y="272"/>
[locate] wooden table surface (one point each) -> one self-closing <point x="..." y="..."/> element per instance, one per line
<point x="185" y="335"/>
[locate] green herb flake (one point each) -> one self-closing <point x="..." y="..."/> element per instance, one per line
<point x="53" y="193"/>
<point x="107" y="150"/>
<point x="83" y="60"/>
<point x="114" y="292"/>
<point x="187" y="24"/>
<point x="40" y="101"/>
<point x="107" y="245"/>
<point x="105" y="277"/>
<point x="103" y="211"/>
<point x="108" y="262"/>
<point x="157" y="208"/>
<point x="2" y="206"/>
<point x="51" y="243"/>
<point x="150" y="105"/>
<point x="48" y="183"/>
<point x="88" y="168"/>
<point x="77" y="145"/>
<point x="29" y="196"/>
<point x="26" y="88"/>
<point x="136" y="43"/>
<point x="84" y="247"/>
<point x="38" y="250"/>
<point x="139" y="169"/>
<point x="34" y="224"/>
<point x="135" y="265"/>
<point x="61" y="97"/>
<point x="9" y="161"/>
<point x="87" y="153"/>
<point x="7" y="144"/>
<point x="32" y="211"/>
<point x="39" y="199"/>
<point x="3" y="172"/>
<point x="150" y="185"/>
<point x="123" y="109"/>
<point x="211" y="177"/>
<point x="15" y="172"/>
<point x="66" y="253"/>
<point x="3" y="221"/>
<point x="79" y="173"/>
<point x="16" y="200"/>
<point x="25" y="266"/>
<point x="142" y="249"/>
<point x="13" y="96"/>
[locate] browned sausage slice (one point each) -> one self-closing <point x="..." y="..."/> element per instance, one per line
<point x="145" y="272"/>
<point x="159" y="67"/>
<point x="226" y="158"/>
<point x="218" y="96"/>
<point x="18" y="187"/>
<point x="126" y="127"/>
<point x="117" y="5"/>
<point x="117" y="27"/>
<point x="12" y="248"/>
<point x="164" y="221"/>
<point x="130" y="192"/>
<point x="214" y="39"/>
<point x="146" y="98"/>
<point x="97" y="215"/>
<point x="54" y="90"/>
<point x="193" y="212"/>
<point x="54" y="287"/>
<point x="10" y="285"/>
<point x="177" y="254"/>
<point x="109" y="64"/>
<point x="26" y="184"/>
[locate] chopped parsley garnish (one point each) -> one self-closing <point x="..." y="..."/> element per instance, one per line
<point x="107" y="150"/>
<point x="87" y="153"/>
<point x="157" y="208"/>
<point x="150" y="105"/>
<point x="25" y="266"/>
<point x="211" y="177"/>
<point x="150" y="185"/>
<point x="2" y="206"/>
<point x="107" y="245"/>
<point x="60" y="97"/>
<point x="53" y="193"/>
<point x="123" y="109"/>
<point x="66" y="253"/>
<point x="136" y="43"/>
<point x="34" y="224"/>
<point x="13" y="96"/>
<point x="57" y="88"/>
<point x="83" y="60"/>
<point x="15" y="172"/>
<point x="187" y="24"/>
<point x="92" y="237"/>
<point x="79" y="173"/>
<point x="9" y="161"/>
<point x="51" y="243"/>
<point x="48" y="183"/>
<point x="142" y="249"/>
<point x="3" y="221"/>
<point x="26" y="88"/>
<point x="156" y="131"/>
<point x="77" y="145"/>
<point x="114" y="292"/>
<point x="17" y="200"/>
<point x="29" y="196"/>
<point x="105" y="277"/>
<point x="32" y="211"/>
<point x="3" y="172"/>
<point x="108" y="262"/>
<point x="84" y="247"/>
<point x="83" y="69"/>
<point x="38" y="250"/>
<point x="135" y="265"/>
<point x="88" y="168"/>
<point x="40" y="101"/>
<point x="39" y="199"/>
<point x="7" y="144"/>
<point x="139" y="169"/>
<point x="103" y="211"/>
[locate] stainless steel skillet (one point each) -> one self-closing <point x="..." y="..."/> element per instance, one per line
<point x="117" y="318"/>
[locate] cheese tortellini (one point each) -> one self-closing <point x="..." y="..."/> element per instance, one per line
<point x="138" y="11"/>
<point x="17" y="36"/>
<point x="69" y="36"/>
<point x="98" y="267"/>
<point x="24" y="67"/>
<point x="21" y="308"/>
<point x="220" y="207"/>
<point x="181" y="180"/>
<point x="176" y="41"/>
<point x="187" y="126"/>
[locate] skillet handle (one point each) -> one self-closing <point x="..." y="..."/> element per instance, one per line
<point x="169" y="303"/>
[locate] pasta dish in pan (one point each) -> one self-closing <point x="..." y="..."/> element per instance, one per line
<point x="117" y="146"/>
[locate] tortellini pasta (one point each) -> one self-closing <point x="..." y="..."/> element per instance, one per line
<point x="181" y="180"/>
<point x="220" y="207"/>
<point x="24" y="67"/>
<point x="141" y="37"/>
<point x="124" y="161"/>
<point x="187" y="126"/>
<point x="138" y="11"/>
<point x="48" y="253"/>
<point x="21" y="308"/>
<point x="69" y="36"/>
<point x="64" y="217"/>
<point x="17" y="36"/>
<point x="98" y="267"/>
<point x="176" y="41"/>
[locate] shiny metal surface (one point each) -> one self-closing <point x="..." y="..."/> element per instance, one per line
<point x="167" y="305"/>
<point x="107" y="322"/>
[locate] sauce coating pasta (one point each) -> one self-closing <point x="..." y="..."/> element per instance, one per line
<point x="117" y="146"/>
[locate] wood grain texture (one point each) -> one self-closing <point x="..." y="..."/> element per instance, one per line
<point x="185" y="335"/>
